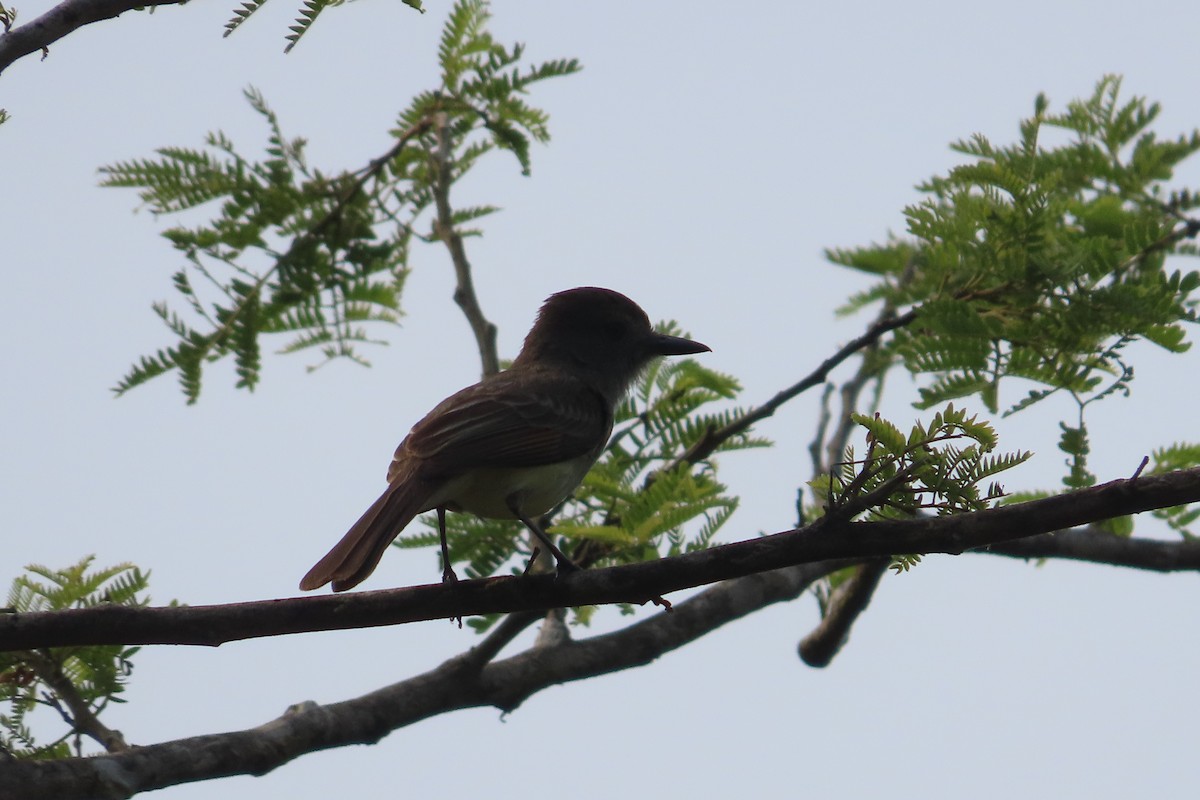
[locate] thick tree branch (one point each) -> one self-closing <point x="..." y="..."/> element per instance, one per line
<point x="468" y="681"/>
<point x="61" y="20"/>
<point x="827" y="538"/>
<point x="456" y="684"/>
<point x="1097" y="546"/>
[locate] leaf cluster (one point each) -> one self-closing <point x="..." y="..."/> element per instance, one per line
<point x="1168" y="459"/>
<point x="938" y="467"/>
<point x="96" y="675"/>
<point x="314" y="255"/>
<point x="309" y="11"/>
<point x="1042" y="261"/>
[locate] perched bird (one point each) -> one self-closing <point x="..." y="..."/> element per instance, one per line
<point x="515" y="444"/>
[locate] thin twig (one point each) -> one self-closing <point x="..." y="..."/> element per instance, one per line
<point x="81" y="717"/>
<point x="815" y="447"/>
<point x="708" y="444"/>
<point x="443" y="228"/>
<point x="500" y="637"/>
<point x="371" y="171"/>
<point x="1137" y="473"/>
<point x="850" y="392"/>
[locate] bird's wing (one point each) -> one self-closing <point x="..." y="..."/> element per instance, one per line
<point x="518" y="418"/>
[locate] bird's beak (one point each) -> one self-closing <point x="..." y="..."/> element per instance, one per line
<point x="661" y="344"/>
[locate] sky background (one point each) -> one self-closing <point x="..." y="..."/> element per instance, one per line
<point x="701" y="162"/>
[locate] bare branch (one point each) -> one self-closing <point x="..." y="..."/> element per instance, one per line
<point x="816" y="446"/>
<point x="61" y="20"/>
<point x="827" y="538"/>
<point x="443" y="228"/>
<point x="714" y="438"/>
<point x="1098" y="546"/>
<point x="846" y="604"/>
<point x="465" y="682"/>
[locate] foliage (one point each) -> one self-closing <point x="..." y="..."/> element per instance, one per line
<point x="643" y="500"/>
<point x="1043" y="260"/>
<point x="903" y="476"/>
<point x="316" y="256"/>
<point x="95" y="675"/>
<point x="308" y="15"/>
<point x="939" y="467"/>
<point x="1184" y="455"/>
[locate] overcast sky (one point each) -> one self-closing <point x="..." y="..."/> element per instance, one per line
<point x="701" y="162"/>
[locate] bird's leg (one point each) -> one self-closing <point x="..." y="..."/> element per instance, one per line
<point x="537" y="551"/>
<point x="564" y="564"/>
<point x="448" y="575"/>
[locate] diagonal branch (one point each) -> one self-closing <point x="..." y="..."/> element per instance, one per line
<point x="708" y="444"/>
<point x="827" y="538"/>
<point x="846" y="604"/>
<point x="81" y="717"/>
<point x="64" y="18"/>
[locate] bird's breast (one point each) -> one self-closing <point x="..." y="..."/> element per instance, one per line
<point x="485" y="491"/>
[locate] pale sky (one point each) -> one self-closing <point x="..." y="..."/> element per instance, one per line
<point x="700" y="163"/>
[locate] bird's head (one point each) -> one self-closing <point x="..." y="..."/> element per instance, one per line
<point x="600" y="334"/>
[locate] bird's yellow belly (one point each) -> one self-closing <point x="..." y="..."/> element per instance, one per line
<point x="485" y="491"/>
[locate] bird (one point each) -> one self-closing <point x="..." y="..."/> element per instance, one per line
<point x="517" y="443"/>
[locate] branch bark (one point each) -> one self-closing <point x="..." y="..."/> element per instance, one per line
<point x="827" y="538"/>
<point x="461" y="682"/>
<point x="469" y="680"/>
<point x="64" y="18"/>
<point x="846" y="604"/>
<point x="443" y="228"/>
<point x="1093" y="545"/>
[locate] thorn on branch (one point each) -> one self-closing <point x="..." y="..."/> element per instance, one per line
<point x="1137" y="473"/>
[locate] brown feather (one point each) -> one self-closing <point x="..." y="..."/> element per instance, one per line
<point x="519" y="418"/>
<point x="355" y="556"/>
<point x="534" y="420"/>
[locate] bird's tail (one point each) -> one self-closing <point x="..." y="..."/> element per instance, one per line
<point x="355" y="557"/>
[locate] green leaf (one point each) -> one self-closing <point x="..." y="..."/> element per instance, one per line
<point x="98" y="674"/>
